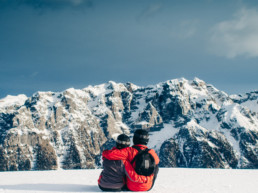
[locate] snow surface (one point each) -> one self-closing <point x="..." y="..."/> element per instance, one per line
<point x="174" y="180"/>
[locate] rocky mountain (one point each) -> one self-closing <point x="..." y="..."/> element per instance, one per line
<point x="191" y="123"/>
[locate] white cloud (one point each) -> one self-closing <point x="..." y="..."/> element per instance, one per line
<point x="238" y="36"/>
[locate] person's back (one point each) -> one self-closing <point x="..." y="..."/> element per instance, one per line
<point x="112" y="178"/>
<point x="140" y="140"/>
<point x="138" y="186"/>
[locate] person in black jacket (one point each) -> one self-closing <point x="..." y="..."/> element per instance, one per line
<point x="112" y="178"/>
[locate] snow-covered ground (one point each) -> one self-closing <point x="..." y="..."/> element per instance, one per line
<point x="172" y="180"/>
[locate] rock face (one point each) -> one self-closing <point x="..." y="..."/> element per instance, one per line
<point x="191" y="123"/>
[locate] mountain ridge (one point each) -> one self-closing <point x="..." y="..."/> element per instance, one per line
<point x="191" y="124"/>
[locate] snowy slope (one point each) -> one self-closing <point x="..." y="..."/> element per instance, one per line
<point x="12" y="101"/>
<point x="168" y="181"/>
<point x="250" y="100"/>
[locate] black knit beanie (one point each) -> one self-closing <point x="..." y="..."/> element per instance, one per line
<point x="141" y="136"/>
<point x="122" y="141"/>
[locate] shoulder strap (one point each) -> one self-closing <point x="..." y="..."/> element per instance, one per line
<point x="137" y="148"/>
<point x="140" y="151"/>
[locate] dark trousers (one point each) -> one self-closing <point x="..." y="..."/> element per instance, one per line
<point x="114" y="190"/>
<point x="110" y="190"/>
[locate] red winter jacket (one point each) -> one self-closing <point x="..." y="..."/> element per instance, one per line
<point x="134" y="181"/>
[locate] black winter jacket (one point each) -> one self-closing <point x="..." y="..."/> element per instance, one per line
<point x="113" y="174"/>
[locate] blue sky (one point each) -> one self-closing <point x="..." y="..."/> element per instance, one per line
<point x="52" y="45"/>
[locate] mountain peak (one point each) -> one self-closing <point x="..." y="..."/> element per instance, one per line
<point x="10" y="101"/>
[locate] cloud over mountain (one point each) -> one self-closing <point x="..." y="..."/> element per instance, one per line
<point x="237" y="36"/>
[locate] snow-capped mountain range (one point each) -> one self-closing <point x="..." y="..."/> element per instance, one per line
<point x="191" y="123"/>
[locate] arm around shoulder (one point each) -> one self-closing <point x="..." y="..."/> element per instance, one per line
<point x="115" y="154"/>
<point x="132" y="175"/>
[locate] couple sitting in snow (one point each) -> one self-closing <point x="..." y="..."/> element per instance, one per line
<point x="129" y="168"/>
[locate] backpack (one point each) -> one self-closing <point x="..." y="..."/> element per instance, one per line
<point x="144" y="162"/>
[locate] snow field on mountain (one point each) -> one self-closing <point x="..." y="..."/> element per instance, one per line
<point x="158" y="137"/>
<point x="12" y="101"/>
<point x="172" y="180"/>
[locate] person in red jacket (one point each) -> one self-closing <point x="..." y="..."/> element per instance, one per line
<point x="134" y="181"/>
<point x="112" y="177"/>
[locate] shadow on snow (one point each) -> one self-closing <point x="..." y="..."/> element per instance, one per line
<point x="54" y="187"/>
